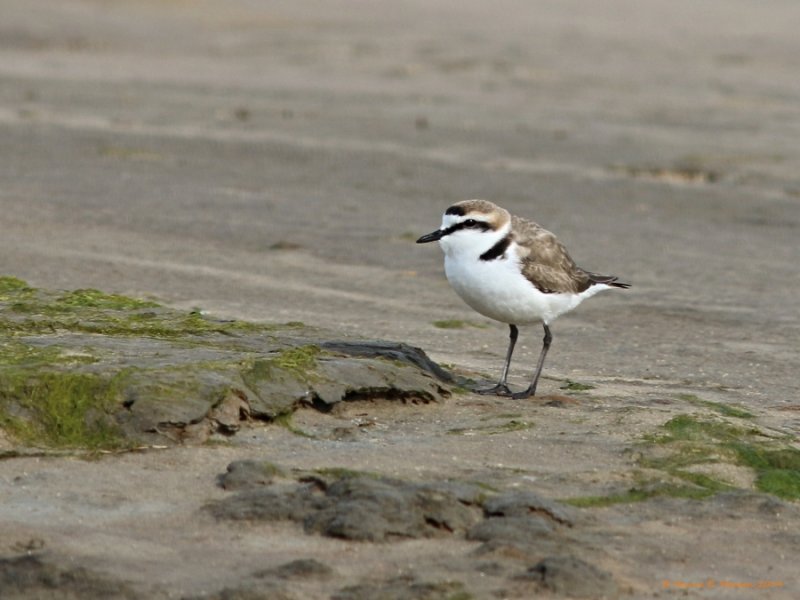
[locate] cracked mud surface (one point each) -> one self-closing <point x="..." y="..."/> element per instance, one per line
<point x="273" y="162"/>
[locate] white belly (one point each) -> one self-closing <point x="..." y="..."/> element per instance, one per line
<point x="498" y="290"/>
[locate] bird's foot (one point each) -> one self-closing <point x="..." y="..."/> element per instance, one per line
<point x="501" y="389"/>
<point x="523" y="395"/>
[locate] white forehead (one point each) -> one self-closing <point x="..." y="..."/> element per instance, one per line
<point x="449" y="220"/>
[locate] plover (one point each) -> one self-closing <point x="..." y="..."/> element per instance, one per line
<point x="514" y="271"/>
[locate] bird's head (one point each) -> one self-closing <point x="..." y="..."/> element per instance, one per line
<point x="470" y="226"/>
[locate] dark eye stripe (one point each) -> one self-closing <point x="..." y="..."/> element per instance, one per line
<point x="468" y="224"/>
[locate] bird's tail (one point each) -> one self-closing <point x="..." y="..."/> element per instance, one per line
<point x="608" y="280"/>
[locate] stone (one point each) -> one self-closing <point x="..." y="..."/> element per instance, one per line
<point x="273" y="503"/>
<point x="573" y="577"/>
<point x="357" y="507"/>
<point x="510" y="529"/>
<point x="157" y="375"/>
<point x="249" y="474"/>
<point x="266" y="590"/>
<point x="303" y="568"/>
<point x="403" y="588"/>
<point x="522" y="503"/>
<point x="365" y="508"/>
<point x="29" y="576"/>
<point x="466" y="493"/>
<point x="392" y="351"/>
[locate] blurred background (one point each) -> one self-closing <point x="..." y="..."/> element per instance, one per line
<point x="276" y="160"/>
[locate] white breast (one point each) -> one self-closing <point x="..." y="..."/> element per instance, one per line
<point x="498" y="290"/>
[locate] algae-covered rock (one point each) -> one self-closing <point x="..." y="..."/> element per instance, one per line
<point x="358" y="507"/>
<point x="301" y="569"/>
<point x="510" y="529"/>
<point x="573" y="577"/>
<point x="92" y="370"/>
<point x="249" y="474"/>
<point x="405" y="587"/>
<point x="31" y="576"/>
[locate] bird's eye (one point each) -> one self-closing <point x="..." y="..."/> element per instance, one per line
<point x="470" y="223"/>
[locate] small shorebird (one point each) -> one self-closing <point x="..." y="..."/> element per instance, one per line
<point x="514" y="271"/>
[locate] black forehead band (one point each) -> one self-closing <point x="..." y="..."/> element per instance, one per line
<point x="455" y="210"/>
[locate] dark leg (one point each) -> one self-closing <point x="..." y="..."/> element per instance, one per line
<point x="545" y="347"/>
<point x="501" y="389"/>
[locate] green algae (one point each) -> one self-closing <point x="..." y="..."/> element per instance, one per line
<point x="11" y="287"/>
<point x="270" y="469"/>
<point x="502" y="416"/>
<point x="14" y="353"/>
<point x="95" y="370"/>
<point x="51" y="394"/>
<point x="345" y="473"/>
<point x="300" y="360"/>
<point x="30" y="311"/>
<point x="693" y="441"/>
<point x="116" y="322"/>
<point x="292" y="364"/>
<point x="639" y="494"/>
<point x="704" y="482"/>
<point x="60" y="409"/>
<point x="285" y="420"/>
<point x="493" y="429"/>
<point x="726" y="410"/>
<point x="676" y="483"/>
<point x="689" y="428"/>
<point x="45" y="401"/>
<point x="784" y="483"/>
<point x="456" y="324"/>
<point x="574" y="386"/>
<point x="96" y="299"/>
<point x="777" y="469"/>
<point x="450" y="324"/>
<point x="686" y="441"/>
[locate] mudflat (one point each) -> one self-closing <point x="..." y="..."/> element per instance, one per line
<point x="275" y="161"/>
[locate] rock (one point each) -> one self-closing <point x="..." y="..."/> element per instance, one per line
<point x="518" y="504"/>
<point x="340" y="434"/>
<point x="369" y="378"/>
<point x="249" y="474"/>
<point x="510" y="529"/>
<point x="121" y="372"/>
<point x="304" y="568"/>
<point x="267" y="590"/>
<point x="358" y="508"/>
<point x="573" y="577"/>
<point x="289" y="502"/>
<point x="364" y="520"/>
<point x="30" y="576"/>
<point x="365" y="508"/>
<point x="735" y="504"/>
<point x="465" y="492"/>
<point x="392" y="351"/>
<point x="403" y="588"/>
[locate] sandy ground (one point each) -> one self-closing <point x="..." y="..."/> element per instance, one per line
<point x="275" y="161"/>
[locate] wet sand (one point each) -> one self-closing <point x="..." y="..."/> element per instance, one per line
<point x="275" y="161"/>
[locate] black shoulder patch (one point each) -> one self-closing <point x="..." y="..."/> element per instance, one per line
<point x="455" y="210"/>
<point x="498" y="250"/>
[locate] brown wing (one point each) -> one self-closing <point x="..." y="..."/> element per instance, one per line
<point x="545" y="260"/>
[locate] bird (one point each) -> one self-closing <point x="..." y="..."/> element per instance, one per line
<point x="514" y="271"/>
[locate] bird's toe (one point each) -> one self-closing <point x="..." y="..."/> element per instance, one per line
<point x="501" y="389"/>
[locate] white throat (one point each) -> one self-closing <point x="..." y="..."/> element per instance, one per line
<point x="469" y="244"/>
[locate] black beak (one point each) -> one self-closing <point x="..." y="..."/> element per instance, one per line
<point x="431" y="237"/>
